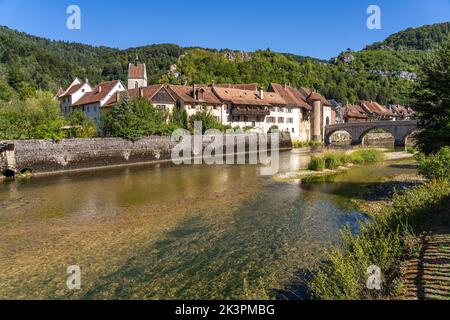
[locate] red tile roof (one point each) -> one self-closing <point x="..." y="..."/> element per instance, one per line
<point x="310" y="95"/>
<point x="375" y="109"/>
<point x="148" y="92"/>
<point x="248" y="97"/>
<point x="352" y="111"/>
<point x="188" y="96"/>
<point x="291" y="95"/>
<point x="136" y="71"/>
<point x="98" y="93"/>
<point x="72" y="90"/>
<point x="243" y="86"/>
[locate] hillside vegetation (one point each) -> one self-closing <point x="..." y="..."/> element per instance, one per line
<point x="383" y="71"/>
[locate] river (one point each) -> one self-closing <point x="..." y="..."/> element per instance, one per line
<point x="169" y="232"/>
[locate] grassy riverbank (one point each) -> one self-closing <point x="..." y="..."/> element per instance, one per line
<point x="409" y="230"/>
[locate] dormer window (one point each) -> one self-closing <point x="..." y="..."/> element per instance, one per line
<point x="201" y="94"/>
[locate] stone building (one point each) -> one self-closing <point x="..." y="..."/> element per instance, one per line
<point x="137" y="75"/>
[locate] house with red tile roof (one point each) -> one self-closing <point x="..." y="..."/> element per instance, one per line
<point x="354" y="113"/>
<point x="401" y="112"/>
<point x="94" y="100"/>
<point x="158" y="95"/>
<point x="198" y="97"/>
<point x="71" y="95"/>
<point x="298" y="106"/>
<point x="376" y="111"/>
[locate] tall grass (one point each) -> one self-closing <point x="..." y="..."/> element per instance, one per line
<point x="334" y="160"/>
<point x="384" y="242"/>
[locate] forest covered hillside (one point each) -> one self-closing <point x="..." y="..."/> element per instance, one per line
<point x="383" y="71"/>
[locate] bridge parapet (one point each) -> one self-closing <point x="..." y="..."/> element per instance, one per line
<point x="400" y="130"/>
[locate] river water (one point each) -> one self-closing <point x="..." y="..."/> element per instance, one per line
<point x="168" y="232"/>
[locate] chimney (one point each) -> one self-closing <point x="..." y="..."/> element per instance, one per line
<point x="118" y="96"/>
<point x="141" y="92"/>
<point x="213" y="83"/>
<point x="87" y="80"/>
<point x="99" y="89"/>
<point x="193" y="90"/>
<point x="261" y="93"/>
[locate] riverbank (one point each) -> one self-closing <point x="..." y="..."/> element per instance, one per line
<point x="295" y="177"/>
<point x="407" y="238"/>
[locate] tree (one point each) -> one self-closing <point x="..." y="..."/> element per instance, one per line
<point x="432" y="102"/>
<point x="83" y="126"/>
<point x="179" y="118"/>
<point x="134" y="120"/>
<point x="207" y="119"/>
<point x="38" y="117"/>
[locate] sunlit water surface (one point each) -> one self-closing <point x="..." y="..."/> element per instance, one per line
<point x="168" y="232"/>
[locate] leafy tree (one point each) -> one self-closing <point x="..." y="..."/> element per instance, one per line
<point x="38" y="117"/>
<point x="179" y="118"/>
<point x="134" y="120"/>
<point x="207" y="119"/>
<point x="432" y="102"/>
<point x="83" y="126"/>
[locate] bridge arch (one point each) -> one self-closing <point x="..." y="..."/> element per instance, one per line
<point x="364" y="134"/>
<point x="328" y="135"/>
<point x="357" y="130"/>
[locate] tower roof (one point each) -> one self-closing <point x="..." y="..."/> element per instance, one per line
<point x="137" y="71"/>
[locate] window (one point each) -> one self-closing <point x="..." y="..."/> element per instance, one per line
<point x="289" y="120"/>
<point x="288" y="110"/>
<point x="328" y="121"/>
<point x="136" y="85"/>
<point x="245" y="119"/>
<point x="293" y="130"/>
<point x="270" y="119"/>
<point x="161" y="107"/>
<point x="280" y="120"/>
<point x="192" y="107"/>
<point x="217" y="119"/>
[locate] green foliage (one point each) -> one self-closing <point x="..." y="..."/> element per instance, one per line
<point x="365" y="156"/>
<point x="316" y="164"/>
<point x="432" y="102"/>
<point x="29" y="63"/>
<point x="334" y="160"/>
<point x="134" y="120"/>
<point x="422" y="38"/>
<point x="384" y="242"/>
<point x="83" y="126"/>
<point x="436" y="166"/>
<point x="207" y="119"/>
<point x="179" y="118"/>
<point x="38" y="117"/>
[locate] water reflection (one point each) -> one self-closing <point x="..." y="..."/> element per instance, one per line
<point x="164" y="232"/>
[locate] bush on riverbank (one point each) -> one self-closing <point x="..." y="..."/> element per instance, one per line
<point x="366" y="156"/>
<point x="384" y="242"/>
<point x="436" y="166"/>
<point x="316" y="164"/>
<point x="304" y="144"/>
<point x="334" y="160"/>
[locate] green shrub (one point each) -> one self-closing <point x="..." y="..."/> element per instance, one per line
<point x="385" y="242"/>
<point x="364" y="156"/>
<point x="316" y="164"/>
<point x="435" y="166"/>
<point x="332" y="160"/>
<point x="411" y="150"/>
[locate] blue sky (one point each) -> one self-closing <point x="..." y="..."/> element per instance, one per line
<point x="319" y="28"/>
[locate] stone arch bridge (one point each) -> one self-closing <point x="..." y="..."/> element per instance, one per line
<point x="357" y="130"/>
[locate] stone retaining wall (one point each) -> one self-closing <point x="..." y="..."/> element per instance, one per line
<point x="40" y="156"/>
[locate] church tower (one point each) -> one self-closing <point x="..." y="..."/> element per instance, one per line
<point x="137" y="75"/>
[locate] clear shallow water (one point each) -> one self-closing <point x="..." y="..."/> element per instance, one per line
<point x="167" y="232"/>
